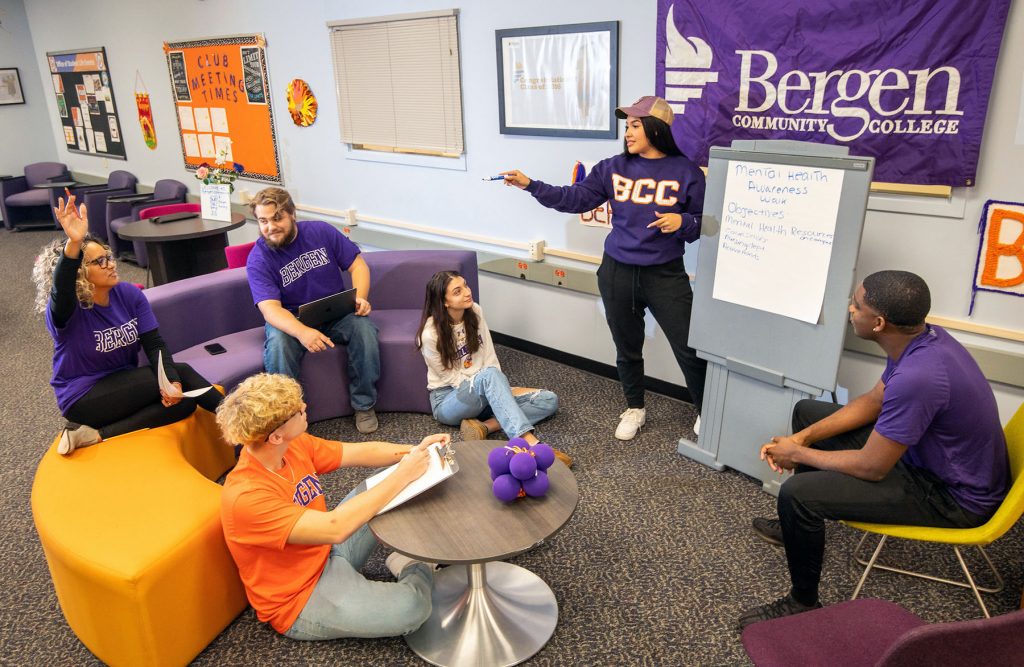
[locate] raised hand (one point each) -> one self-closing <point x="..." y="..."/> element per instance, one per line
<point x="516" y="178"/>
<point x="74" y="221"/>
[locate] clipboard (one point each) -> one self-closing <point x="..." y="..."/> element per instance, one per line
<point x="440" y="466"/>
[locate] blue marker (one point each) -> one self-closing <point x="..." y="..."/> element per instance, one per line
<point x="494" y="178"/>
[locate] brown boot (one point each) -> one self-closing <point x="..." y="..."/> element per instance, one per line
<point x="473" y="429"/>
<point x="563" y="457"/>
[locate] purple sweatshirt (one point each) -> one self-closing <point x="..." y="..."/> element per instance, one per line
<point x="635" y="187"/>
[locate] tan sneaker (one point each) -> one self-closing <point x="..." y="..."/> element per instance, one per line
<point x="366" y="421"/>
<point x="631" y="421"/>
<point x="72" y="439"/>
<point x="473" y="429"/>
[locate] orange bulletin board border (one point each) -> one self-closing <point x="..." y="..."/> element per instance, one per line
<point x="222" y="98"/>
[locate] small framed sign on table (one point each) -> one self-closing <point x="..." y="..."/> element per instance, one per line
<point x="559" y="81"/>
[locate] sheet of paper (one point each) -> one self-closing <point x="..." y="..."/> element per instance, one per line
<point x="191" y="144"/>
<point x="437" y="471"/>
<point x="206" y="148"/>
<point x="219" y="119"/>
<point x="165" y="384"/>
<point x="202" y="115"/>
<point x="101" y="142"/>
<point x="775" y="247"/>
<point x="188" y="123"/>
<point x="223" y="147"/>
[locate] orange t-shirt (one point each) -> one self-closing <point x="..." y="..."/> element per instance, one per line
<point x="258" y="510"/>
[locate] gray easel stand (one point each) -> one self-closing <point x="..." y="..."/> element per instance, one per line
<point x="761" y="364"/>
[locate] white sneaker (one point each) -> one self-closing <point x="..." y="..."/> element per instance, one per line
<point x="397" y="562"/>
<point x="696" y="426"/>
<point x="632" y="420"/>
<point x="72" y="439"/>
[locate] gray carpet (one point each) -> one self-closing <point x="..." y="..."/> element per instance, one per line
<point x="653" y="569"/>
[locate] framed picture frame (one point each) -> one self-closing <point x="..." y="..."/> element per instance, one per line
<point x="10" y="86"/>
<point x="559" y="81"/>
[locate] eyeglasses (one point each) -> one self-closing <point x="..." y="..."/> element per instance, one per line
<point x="301" y="411"/>
<point x="102" y="261"/>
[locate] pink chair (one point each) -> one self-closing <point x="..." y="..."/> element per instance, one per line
<point x="237" y="254"/>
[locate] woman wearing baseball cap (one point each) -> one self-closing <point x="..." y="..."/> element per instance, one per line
<point x="657" y="196"/>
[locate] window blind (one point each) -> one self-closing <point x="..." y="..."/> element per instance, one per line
<point x="398" y="82"/>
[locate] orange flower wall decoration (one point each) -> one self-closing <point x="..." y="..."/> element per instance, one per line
<point x="301" y="103"/>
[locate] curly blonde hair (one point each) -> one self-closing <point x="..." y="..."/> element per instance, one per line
<point x="257" y="406"/>
<point x="46" y="262"/>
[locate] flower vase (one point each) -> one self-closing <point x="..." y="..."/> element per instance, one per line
<point x="216" y="201"/>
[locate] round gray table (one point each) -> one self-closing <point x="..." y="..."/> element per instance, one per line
<point x="183" y="248"/>
<point x="485" y="612"/>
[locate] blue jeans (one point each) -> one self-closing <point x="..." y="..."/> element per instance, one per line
<point x="344" y="603"/>
<point x="489" y="394"/>
<point x="283" y="354"/>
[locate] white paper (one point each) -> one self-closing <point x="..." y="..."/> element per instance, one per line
<point x="775" y="245"/>
<point x="202" y="119"/>
<point x="80" y="133"/>
<point x="191" y="144"/>
<point x="223" y="147"/>
<point x="436" y="472"/>
<point x="219" y="119"/>
<point x="186" y="119"/>
<point x="167" y="387"/>
<point x="101" y="142"/>
<point x="90" y="139"/>
<point x="215" y="201"/>
<point x="206" y="148"/>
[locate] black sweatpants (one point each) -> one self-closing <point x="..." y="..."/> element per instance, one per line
<point x="129" y="400"/>
<point x="627" y="290"/>
<point x="908" y="495"/>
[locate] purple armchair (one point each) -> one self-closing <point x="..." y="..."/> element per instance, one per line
<point x="21" y="202"/>
<point x="218" y="307"/>
<point x="120" y="213"/>
<point x="119" y="183"/>
<point x="878" y="633"/>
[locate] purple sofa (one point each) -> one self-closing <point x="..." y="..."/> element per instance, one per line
<point x="218" y="307"/>
<point x="21" y="202"/>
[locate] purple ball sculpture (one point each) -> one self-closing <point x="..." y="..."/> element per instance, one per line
<point x="519" y="470"/>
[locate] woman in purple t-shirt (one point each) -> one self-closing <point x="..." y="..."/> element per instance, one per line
<point x="657" y="197"/>
<point x="98" y="326"/>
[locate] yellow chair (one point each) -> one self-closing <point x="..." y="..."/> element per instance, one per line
<point x="1004" y="519"/>
<point x="132" y="536"/>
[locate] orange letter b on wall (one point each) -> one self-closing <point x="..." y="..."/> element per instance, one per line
<point x="1002" y="252"/>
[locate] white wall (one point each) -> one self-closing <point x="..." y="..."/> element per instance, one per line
<point x="317" y="171"/>
<point x="24" y="127"/>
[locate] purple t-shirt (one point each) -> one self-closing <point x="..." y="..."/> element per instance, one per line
<point x="939" y="405"/>
<point x="98" y="341"/>
<point x="307" y="269"/>
<point x="635" y="188"/>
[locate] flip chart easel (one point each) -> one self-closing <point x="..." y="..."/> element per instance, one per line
<point x="768" y="226"/>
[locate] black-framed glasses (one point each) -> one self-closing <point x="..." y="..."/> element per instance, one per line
<point x="102" y="261"/>
<point x="301" y="411"/>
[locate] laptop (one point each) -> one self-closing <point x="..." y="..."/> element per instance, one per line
<point x="333" y="307"/>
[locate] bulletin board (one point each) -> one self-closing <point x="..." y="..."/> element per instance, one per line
<point x="85" y="102"/>
<point x="222" y="98"/>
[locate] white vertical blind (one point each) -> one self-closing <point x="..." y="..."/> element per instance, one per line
<point x="398" y="83"/>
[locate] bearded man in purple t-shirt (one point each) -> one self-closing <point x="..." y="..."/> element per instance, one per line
<point x="924" y="447"/>
<point x="294" y="263"/>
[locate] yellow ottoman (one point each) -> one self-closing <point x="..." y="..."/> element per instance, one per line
<point x="132" y="535"/>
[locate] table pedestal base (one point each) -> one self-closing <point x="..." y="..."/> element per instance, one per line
<point x="493" y="615"/>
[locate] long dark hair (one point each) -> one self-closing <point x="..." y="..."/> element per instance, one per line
<point x="433" y="306"/>
<point x="659" y="135"/>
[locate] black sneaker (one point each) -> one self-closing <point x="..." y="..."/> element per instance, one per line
<point x="786" y="606"/>
<point x="769" y="530"/>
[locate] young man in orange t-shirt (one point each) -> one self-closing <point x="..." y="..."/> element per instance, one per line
<point x="298" y="561"/>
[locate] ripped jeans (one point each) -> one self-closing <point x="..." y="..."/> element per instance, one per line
<point x="488" y="394"/>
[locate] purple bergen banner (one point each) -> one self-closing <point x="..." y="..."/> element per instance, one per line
<point x="906" y="82"/>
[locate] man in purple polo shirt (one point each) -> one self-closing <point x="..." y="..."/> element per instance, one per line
<point x="924" y="447"/>
<point x="294" y="263"/>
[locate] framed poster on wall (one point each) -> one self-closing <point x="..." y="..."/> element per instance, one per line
<point x="85" y="102"/>
<point x="222" y="98"/>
